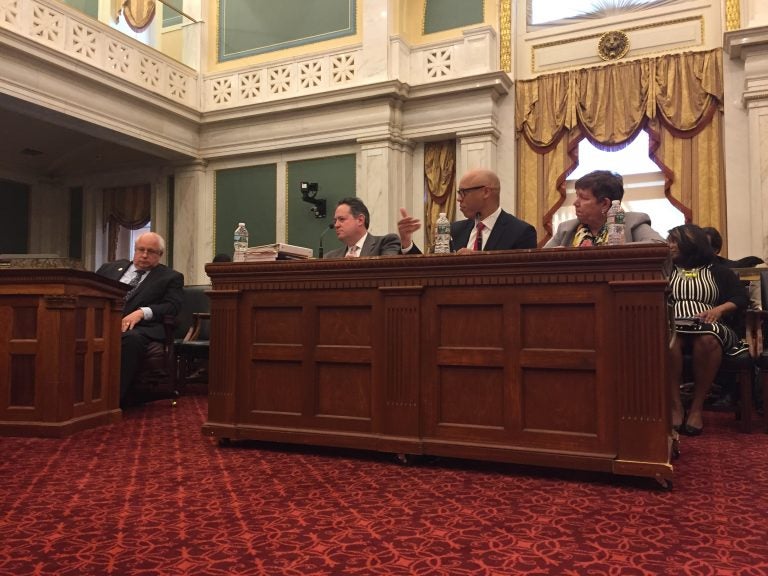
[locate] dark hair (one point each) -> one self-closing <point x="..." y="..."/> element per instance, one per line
<point x="356" y="207"/>
<point x="714" y="238"/>
<point x="693" y="246"/>
<point x="603" y="184"/>
<point x="222" y="258"/>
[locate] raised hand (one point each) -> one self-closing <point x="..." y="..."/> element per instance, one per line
<point x="406" y="226"/>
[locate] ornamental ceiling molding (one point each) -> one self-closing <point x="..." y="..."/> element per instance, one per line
<point x="613" y="45"/>
<point x="599" y="36"/>
<point x="732" y="15"/>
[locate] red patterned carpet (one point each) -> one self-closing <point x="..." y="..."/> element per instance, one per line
<point x="152" y="496"/>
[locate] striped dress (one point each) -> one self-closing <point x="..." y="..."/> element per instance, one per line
<point x="695" y="290"/>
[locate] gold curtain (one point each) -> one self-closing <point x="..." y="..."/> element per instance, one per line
<point x="677" y="97"/>
<point x="439" y="186"/>
<point x="126" y="206"/>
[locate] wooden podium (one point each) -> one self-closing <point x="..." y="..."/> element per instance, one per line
<point x="546" y="357"/>
<point x="59" y="351"/>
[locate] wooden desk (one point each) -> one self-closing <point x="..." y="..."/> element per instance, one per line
<point x="547" y="357"/>
<point x="59" y="351"/>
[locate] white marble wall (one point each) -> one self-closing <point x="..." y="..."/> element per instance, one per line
<point x="754" y="13"/>
<point x="746" y="132"/>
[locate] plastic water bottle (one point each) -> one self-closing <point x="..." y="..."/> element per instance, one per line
<point x="442" y="235"/>
<point x="241" y="242"/>
<point x="615" y="224"/>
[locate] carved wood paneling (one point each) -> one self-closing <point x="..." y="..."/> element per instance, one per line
<point x="514" y="356"/>
<point x="58" y="369"/>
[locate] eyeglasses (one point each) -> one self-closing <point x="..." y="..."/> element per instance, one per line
<point x="149" y="251"/>
<point x="461" y="192"/>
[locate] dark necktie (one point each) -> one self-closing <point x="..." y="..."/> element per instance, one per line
<point x="479" y="237"/>
<point x="134" y="283"/>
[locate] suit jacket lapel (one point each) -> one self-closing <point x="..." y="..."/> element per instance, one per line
<point x="116" y="272"/>
<point x="498" y="232"/>
<point x="462" y="236"/>
<point x="368" y="246"/>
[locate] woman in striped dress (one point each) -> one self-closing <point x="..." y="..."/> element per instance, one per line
<point x="711" y="297"/>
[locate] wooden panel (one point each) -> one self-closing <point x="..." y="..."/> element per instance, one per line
<point x="344" y="326"/>
<point x="565" y="402"/>
<point x="558" y="326"/>
<point x="277" y="388"/>
<point x="55" y="376"/>
<point x="343" y="390"/>
<point x="24" y="322"/>
<point x="473" y="326"/>
<point x="22" y="380"/>
<point x="471" y="397"/>
<point x="277" y="325"/>
<point x="521" y="356"/>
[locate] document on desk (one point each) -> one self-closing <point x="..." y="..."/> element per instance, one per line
<point x="277" y="251"/>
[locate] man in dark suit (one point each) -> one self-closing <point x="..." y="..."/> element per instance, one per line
<point x="487" y="226"/>
<point x="351" y="221"/>
<point x="156" y="291"/>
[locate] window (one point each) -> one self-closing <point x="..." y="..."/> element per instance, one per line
<point x="549" y="12"/>
<point x="136" y="233"/>
<point x="643" y="183"/>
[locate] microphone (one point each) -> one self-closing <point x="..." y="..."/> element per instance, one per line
<point x="323" y="233"/>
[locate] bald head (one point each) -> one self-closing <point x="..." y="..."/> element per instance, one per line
<point x="482" y="188"/>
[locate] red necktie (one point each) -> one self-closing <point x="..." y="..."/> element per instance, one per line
<point x="479" y="237"/>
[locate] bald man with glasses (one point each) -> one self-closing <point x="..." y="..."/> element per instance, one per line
<point x="155" y="291"/>
<point x="487" y="226"/>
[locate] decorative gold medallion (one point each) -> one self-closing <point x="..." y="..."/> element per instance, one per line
<point x="613" y="45"/>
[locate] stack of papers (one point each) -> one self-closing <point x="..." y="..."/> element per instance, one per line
<point x="277" y="251"/>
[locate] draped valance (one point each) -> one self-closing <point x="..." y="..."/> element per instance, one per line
<point x="675" y="97"/>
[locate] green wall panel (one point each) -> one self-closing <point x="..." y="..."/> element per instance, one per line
<point x="14" y="218"/>
<point x="248" y="27"/>
<point x="245" y="195"/>
<point x="335" y="177"/>
<point x="172" y="12"/>
<point x="442" y="15"/>
<point x="90" y="7"/>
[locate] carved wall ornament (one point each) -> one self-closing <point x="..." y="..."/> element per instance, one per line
<point x="138" y="14"/>
<point x="613" y="45"/>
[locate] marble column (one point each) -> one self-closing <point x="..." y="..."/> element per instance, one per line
<point x="378" y="16"/>
<point x="193" y="221"/>
<point x="385" y="180"/>
<point x="748" y="182"/>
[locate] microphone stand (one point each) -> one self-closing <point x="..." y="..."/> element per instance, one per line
<point x="320" y="249"/>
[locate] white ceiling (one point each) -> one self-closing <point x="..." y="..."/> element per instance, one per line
<point x="35" y="141"/>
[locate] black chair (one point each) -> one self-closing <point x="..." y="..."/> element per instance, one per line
<point x="192" y="336"/>
<point x="738" y="369"/>
<point x="758" y="325"/>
